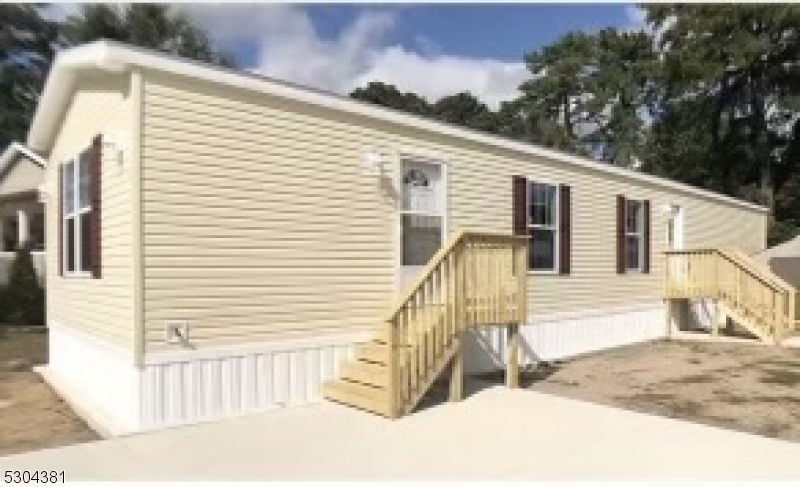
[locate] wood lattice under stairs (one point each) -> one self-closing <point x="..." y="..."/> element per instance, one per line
<point x="475" y="279"/>
<point x="744" y="290"/>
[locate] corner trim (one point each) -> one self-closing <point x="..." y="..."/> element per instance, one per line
<point x="136" y="94"/>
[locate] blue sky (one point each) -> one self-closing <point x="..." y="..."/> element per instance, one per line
<point x="504" y="32"/>
<point x="434" y="50"/>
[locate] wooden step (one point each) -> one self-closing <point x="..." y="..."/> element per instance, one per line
<point x="373" y="352"/>
<point x="747" y="321"/>
<point x="366" y="373"/>
<point x="358" y="395"/>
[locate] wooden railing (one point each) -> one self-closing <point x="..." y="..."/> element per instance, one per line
<point x="475" y="279"/>
<point x="768" y="301"/>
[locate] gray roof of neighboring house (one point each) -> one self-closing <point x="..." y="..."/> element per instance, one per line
<point x="790" y="248"/>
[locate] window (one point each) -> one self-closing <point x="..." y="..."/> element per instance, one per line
<point x="77" y="216"/>
<point x="634" y="234"/>
<point x="421" y="213"/>
<point x="543" y="227"/>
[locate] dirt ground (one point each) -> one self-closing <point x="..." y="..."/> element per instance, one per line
<point x="746" y="387"/>
<point x="32" y="416"/>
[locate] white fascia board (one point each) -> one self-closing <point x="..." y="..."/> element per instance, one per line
<point x="114" y="56"/>
<point x="12" y="153"/>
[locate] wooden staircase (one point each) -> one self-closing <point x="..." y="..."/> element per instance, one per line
<point x="475" y="279"/>
<point x="742" y="289"/>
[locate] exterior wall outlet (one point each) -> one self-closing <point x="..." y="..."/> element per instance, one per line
<point x="177" y="332"/>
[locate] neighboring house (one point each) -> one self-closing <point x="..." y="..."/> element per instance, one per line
<point x="219" y="242"/>
<point x="21" y="211"/>
<point x="784" y="260"/>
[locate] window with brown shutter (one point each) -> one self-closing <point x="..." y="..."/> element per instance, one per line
<point x="80" y="213"/>
<point x="542" y="212"/>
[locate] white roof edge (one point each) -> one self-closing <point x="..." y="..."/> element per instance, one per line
<point x="13" y="150"/>
<point x="113" y="56"/>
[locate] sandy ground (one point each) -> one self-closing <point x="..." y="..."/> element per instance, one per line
<point x="745" y="387"/>
<point x="32" y="416"/>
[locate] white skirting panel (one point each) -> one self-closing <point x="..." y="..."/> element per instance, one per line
<point x="97" y="377"/>
<point x="191" y="387"/>
<point x="563" y="336"/>
<point x="188" y="386"/>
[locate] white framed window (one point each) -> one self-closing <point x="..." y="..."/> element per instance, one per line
<point x="543" y="228"/>
<point x="421" y="214"/>
<point x="76" y="216"/>
<point x="634" y="235"/>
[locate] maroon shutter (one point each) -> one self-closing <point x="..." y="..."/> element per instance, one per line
<point x="620" y="234"/>
<point x="95" y="170"/>
<point x="646" y="236"/>
<point x="519" y="204"/>
<point x="60" y="218"/>
<point x="565" y="230"/>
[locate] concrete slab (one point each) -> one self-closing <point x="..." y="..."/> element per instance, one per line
<point x="494" y="434"/>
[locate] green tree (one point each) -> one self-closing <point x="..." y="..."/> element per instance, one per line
<point x="24" y="296"/>
<point x="591" y="93"/>
<point x="744" y="60"/>
<point x="27" y="44"/>
<point x="389" y="96"/>
<point x="155" y="26"/>
<point x="465" y="110"/>
<point x="554" y="95"/>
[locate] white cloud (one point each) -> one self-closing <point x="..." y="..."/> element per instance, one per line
<point x="637" y="19"/>
<point x="291" y="49"/>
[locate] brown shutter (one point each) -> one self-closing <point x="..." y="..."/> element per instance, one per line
<point x="565" y="230"/>
<point x="620" y="234"/>
<point x="95" y="170"/>
<point x="60" y="218"/>
<point x="519" y="204"/>
<point x="646" y="243"/>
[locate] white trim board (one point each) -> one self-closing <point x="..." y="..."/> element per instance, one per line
<point x="114" y="57"/>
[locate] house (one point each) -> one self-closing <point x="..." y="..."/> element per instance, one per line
<point x="784" y="260"/>
<point x="221" y="243"/>
<point x="21" y="212"/>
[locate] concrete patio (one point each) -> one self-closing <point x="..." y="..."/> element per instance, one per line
<point x="495" y="434"/>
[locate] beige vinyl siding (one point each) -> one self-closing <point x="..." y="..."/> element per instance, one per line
<point x="24" y="175"/>
<point x="101" y="307"/>
<point x="260" y="221"/>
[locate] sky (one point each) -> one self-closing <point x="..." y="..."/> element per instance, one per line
<point x="432" y="50"/>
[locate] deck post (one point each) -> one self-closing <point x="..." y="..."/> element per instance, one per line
<point x="512" y="367"/>
<point x="457" y="372"/>
<point x="719" y="317"/>
<point x="394" y="382"/>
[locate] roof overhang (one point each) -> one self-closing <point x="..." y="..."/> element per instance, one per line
<point x="14" y="152"/>
<point x="114" y="57"/>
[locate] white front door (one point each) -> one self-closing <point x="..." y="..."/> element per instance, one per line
<point x="422" y="217"/>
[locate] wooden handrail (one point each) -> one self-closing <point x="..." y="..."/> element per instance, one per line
<point x="436" y="260"/>
<point x="474" y="279"/>
<point x="734" y="277"/>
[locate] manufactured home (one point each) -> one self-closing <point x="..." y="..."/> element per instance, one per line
<point x="221" y="243"/>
